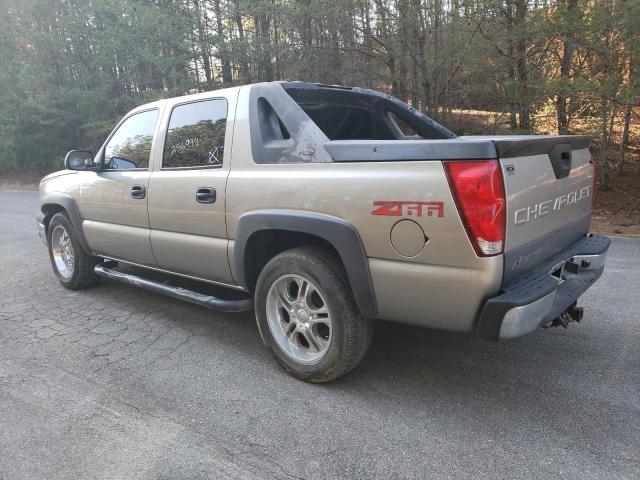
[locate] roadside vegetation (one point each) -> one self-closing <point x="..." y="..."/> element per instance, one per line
<point x="70" y="69"/>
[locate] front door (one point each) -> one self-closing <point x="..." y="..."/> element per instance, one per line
<point x="113" y="204"/>
<point x="187" y="192"/>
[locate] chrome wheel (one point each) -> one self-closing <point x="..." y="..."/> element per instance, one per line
<point x="62" y="250"/>
<point x="299" y="318"/>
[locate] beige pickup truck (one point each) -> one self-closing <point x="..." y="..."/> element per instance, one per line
<point x="325" y="208"/>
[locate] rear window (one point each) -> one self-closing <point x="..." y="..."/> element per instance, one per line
<point x="344" y="113"/>
<point x="406" y="129"/>
<point x="341" y="123"/>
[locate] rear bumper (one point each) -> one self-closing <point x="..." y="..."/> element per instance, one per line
<point x="42" y="230"/>
<point x="537" y="297"/>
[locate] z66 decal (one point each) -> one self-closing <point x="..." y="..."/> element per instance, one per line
<point x="397" y="208"/>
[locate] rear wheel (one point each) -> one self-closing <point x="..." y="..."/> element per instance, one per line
<point x="72" y="266"/>
<point x="307" y="316"/>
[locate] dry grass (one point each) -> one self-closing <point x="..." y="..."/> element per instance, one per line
<point x="20" y="181"/>
<point x="617" y="210"/>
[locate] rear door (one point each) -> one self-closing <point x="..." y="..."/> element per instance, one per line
<point x="113" y="203"/>
<point x="549" y="189"/>
<point x="187" y="190"/>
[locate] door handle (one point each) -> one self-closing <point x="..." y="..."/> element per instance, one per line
<point x="138" y="191"/>
<point x="206" y="195"/>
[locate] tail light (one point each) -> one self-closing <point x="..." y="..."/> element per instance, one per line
<point x="478" y="191"/>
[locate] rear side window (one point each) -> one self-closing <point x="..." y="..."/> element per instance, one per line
<point x="130" y="146"/>
<point x="195" y="136"/>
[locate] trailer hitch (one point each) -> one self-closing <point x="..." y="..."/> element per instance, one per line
<point x="571" y="314"/>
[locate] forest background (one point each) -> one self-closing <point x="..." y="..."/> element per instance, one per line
<point x="69" y="69"/>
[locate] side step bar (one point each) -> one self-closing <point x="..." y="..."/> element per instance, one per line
<point x="224" y="305"/>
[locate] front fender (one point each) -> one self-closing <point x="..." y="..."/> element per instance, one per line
<point x="68" y="203"/>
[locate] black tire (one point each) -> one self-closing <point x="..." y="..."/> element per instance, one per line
<point x="82" y="275"/>
<point x="351" y="333"/>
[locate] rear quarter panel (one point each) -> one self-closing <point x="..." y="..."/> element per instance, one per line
<point x="442" y="286"/>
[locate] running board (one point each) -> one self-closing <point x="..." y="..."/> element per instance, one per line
<point x="214" y="303"/>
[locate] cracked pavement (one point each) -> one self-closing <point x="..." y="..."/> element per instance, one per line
<point x="116" y="382"/>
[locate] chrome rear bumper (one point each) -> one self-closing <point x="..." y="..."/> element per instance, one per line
<point x="538" y="297"/>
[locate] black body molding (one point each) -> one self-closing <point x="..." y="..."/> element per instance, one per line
<point x="511" y="147"/>
<point x="340" y="234"/>
<point x="71" y="207"/>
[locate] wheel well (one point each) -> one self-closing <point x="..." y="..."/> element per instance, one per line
<point x="49" y="210"/>
<point x="263" y="245"/>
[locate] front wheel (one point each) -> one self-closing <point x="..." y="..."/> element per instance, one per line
<point x="72" y="266"/>
<point x="307" y="316"/>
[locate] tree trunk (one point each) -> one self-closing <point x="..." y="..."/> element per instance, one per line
<point x="222" y="48"/>
<point x="604" y="162"/>
<point x="245" y="72"/>
<point x="306" y="35"/>
<point x="565" y="69"/>
<point x="628" y="112"/>
<point x="202" y="41"/>
<point x="387" y="42"/>
<point x="263" y="31"/>
<point x="511" y="71"/>
<point x="625" y="137"/>
<point x="523" y="74"/>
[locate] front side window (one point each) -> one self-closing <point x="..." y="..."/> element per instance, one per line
<point x="195" y="136"/>
<point x="130" y="145"/>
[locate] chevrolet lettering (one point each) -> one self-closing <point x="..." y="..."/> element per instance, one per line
<point x="524" y="215"/>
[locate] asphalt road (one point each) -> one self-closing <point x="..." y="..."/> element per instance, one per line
<point x="115" y="382"/>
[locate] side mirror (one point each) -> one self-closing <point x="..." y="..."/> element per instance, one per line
<point x="78" y="160"/>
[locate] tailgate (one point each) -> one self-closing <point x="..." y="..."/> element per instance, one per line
<point x="549" y="188"/>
